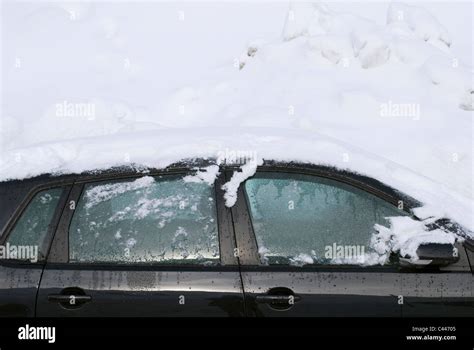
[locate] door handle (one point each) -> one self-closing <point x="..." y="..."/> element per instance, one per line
<point x="69" y="299"/>
<point x="276" y="299"/>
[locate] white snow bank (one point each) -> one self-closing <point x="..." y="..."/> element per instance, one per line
<point x="418" y="21"/>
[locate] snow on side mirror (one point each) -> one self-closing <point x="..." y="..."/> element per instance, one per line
<point x="432" y="254"/>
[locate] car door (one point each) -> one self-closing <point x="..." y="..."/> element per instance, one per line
<point x="155" y="245"/>
<point x="442" y="292"/>
<point x="24" y="244"/>
<point x="305" y="241"/>
<point x="301" y="239"/>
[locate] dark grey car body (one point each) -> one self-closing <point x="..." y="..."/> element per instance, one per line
<point x="239" y="286"/>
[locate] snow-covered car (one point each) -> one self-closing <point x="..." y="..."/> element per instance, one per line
<point x="200" y="239"/>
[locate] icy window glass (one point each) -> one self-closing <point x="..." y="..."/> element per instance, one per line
<point x="147" y="220"/>
<point x="31" y="228"/>
<point x="302" y="219"/>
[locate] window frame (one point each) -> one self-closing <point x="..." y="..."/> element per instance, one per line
<point x="246" y="238"/>
<point x="59" y="254"/>
<point x="52" y="227"/>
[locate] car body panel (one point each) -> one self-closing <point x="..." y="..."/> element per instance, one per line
<point x="335" y="291"/>
<point x="140" y="293"/>
<point x="227" y="290"/>
<point x="326" y="293"/>
<point x="143" y="290"/>
<point x="18" y="288"/>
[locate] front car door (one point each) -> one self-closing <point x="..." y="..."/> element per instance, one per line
<point x="154" y="245"/>
<point x="443" y="292"/>
<point x="304" y="241"/>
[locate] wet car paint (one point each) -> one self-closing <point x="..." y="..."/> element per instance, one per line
<point x="230" y="290"/>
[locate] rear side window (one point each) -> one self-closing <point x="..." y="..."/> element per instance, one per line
<point x="147" y="220"/>
<point x="303" y="219"/>
<point x="30" y="231"/>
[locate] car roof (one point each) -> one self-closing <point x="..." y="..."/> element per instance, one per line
<point x="14" y="192"/>
<point x="134" y="170"/>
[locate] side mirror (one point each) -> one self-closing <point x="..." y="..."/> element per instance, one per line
<point x="432" y="254"/>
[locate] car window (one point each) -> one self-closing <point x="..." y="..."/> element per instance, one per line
<point x="147" y="220"/>
<point x="31" y="228"/>
<point x="303" y="219"/>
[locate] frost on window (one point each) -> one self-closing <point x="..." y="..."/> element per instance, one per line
<point x="163" y="219"/>
<point x="32" y="227"/>
<point x="301" y="219"/>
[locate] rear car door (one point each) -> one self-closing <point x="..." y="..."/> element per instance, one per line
<point x="155" y="245"/>
<point x="302" y="239"/>
<point x="25" y="241"/>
